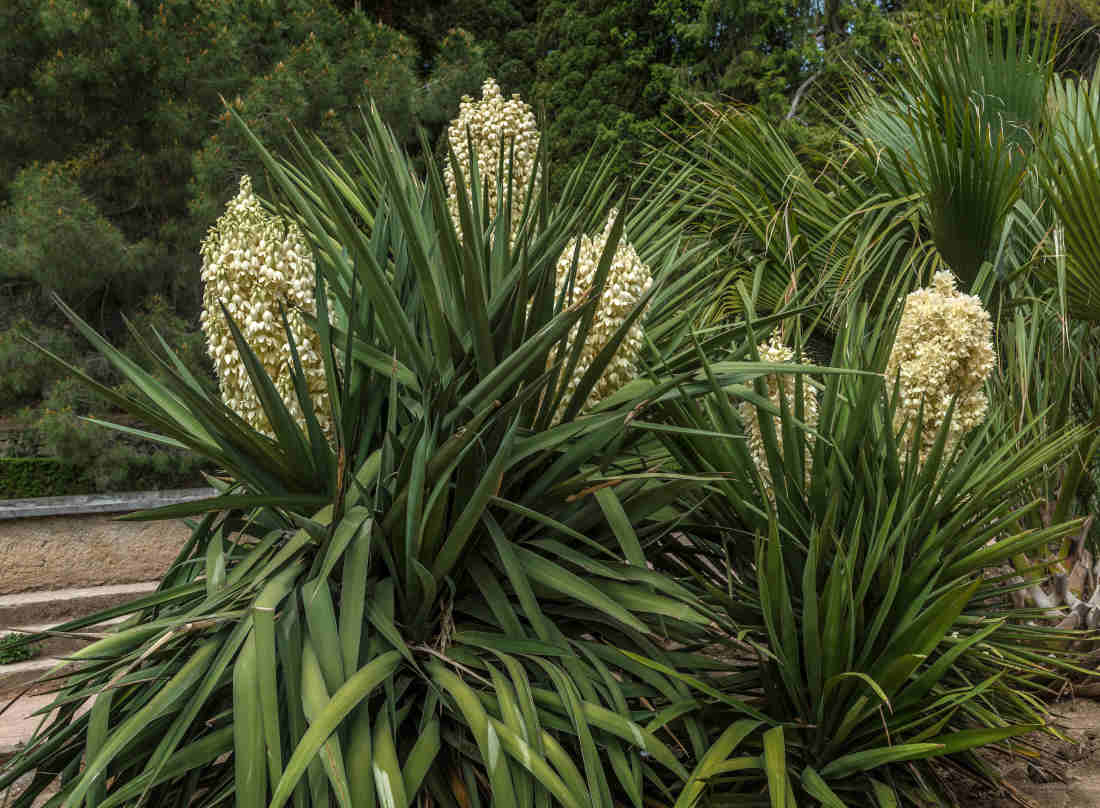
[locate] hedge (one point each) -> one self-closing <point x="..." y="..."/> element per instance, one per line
<point x="25" y="477"/>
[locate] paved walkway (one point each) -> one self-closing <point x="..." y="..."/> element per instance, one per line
<point x="17" y="724"/>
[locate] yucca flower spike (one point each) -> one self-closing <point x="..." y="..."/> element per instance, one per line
<point x="943" y="350"/>
<point x="257" y="265"/>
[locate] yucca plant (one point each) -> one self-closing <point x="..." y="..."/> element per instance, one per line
<point x="879" y="638"/>
<point x="443" y="604"/>
<point x="972" y="155"/>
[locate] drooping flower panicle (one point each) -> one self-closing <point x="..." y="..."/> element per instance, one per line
<point x="779" y="385"/>
<point x="628" y="280"/>
<point x="943" y="351"/>
<point x="257" y="265"/>
<point x="494" y="127"/>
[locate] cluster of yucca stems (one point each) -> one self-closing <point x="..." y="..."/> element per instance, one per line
<point x="973" y="155"/>
<point x="474" y="587"/>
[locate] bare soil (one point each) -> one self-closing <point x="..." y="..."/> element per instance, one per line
<point x="1068" y="771"/>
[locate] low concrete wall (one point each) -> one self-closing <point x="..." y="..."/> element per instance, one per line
<point x="65" y="542"/>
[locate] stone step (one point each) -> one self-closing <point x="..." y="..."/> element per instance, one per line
<point x="21" y="676"/>
<point x="50" y="607"/>
<point x="36" y="612"/>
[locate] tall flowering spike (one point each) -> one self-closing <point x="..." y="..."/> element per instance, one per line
<point x="495" y="125"/>
<point x="943" y="349"/>
<point x="628" y="280"/>
<point x="779" y="384"/>
<point x="253" y="263"/>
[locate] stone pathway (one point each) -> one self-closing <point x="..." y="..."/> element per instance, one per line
<point x="17" y="724"/>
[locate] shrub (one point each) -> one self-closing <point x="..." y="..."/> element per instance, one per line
<point x="434" y="602"/>
<point x="23" y="377"/>
<point x="858" y="580"/>
<point x="28" y="477"/>
<point x="459" y="69"/>
<point x="68" y="394"/>
<point x="100" y="460"/>
<point x="14" y="649"/>
<point x="52" y="234"/>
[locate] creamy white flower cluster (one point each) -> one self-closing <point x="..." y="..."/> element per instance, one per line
<point x="252" y="263"/>
<point x="628" y="279"/>
<point x="496" y="125"/>
<point x="784" y="385"/>
<point x="943" y="349"/>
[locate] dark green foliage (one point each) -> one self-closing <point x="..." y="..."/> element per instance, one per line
<point x="53" y="237"/>
<point x="101" y="461"/>
<point x="126" y="94"/>
<point x="56" y="433"/>
<point x="615" y="73"/>
<point x="598" y="75"/>
<point x="77" y="456"/>
<point x="505" y="31"/>
<point x="21" y="380"/>
<point x="318" y="85"/>
<point x="460" y="68"/>
<point x="13" y="649"/>
<point x="27" y="477"/>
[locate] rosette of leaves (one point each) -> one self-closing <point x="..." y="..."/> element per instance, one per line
<point x="864" y="608"/>
<point x="434" y="608"/>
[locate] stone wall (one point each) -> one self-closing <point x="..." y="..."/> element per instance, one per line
<point x="67" y="542"/>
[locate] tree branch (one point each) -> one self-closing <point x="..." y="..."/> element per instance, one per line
<point x="798" y="94"/>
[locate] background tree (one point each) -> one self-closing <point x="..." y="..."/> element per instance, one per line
<point x="111" y="110"/>
<point x="114" y="160"/>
